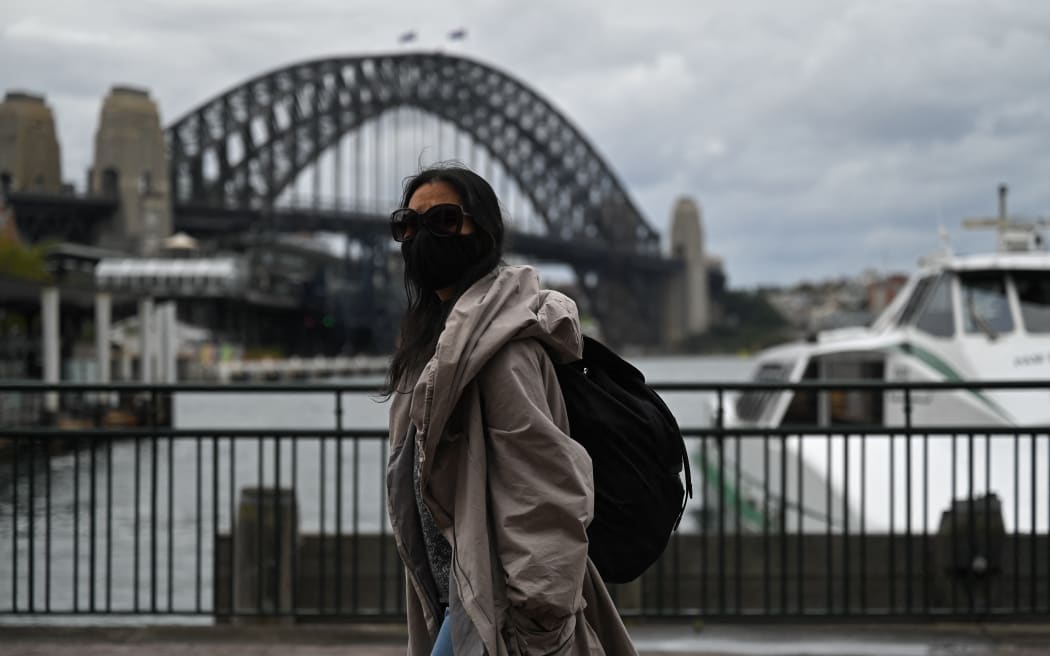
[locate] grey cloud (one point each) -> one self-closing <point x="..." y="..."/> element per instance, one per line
<point x="820" y="137"/>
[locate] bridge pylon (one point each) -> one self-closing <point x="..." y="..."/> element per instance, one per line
<point x="688" y="297"/>
<point x="29" y="152"/>
<point x="131" y="165"/>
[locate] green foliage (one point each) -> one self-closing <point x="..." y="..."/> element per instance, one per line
<point x="749" y="323"/>
<point x="24" y="262"/>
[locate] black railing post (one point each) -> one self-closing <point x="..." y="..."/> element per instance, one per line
<point x="988" y="523"/>
<point x="971" y="586"/>
<point x="94" y="510"/>
<point x="800" y="540"/>
<point x="783" y="525"/>
<point x="295" y="498"/>
<point x="278" y="535"/>
<point x="322" y="561"/>
<point x="830" y="510"/>
<point x="705" y="515"/>
<point x="109" y="524"/>
<point x="907" y="503"/>
<point x="862" y="533"/>
<point x="260" y="522"/>
<point x="926" y="574"/>
<point x="954" y="529"/>
<point x="721" y="508"/>
<point x="215" y="528"/>
<point x="199" y="524"/>
<point x="355" y="538"/>
<point x="14" y="525"/>
<point x="47" y="533"/>
<point x="171" y="520"/>
<point x="845" y="526"/>
<point x="737" y="544"/>
<point x="339" y="502"/>
<point x="1017" y="523"/>
<point x="153" y="498"/>
<point x="137" y="497"/>
<point x="891" y="480"/>
<point x="31" y="516"/>
<point x="1032" y="552"/>
<point x="235" y="536"/>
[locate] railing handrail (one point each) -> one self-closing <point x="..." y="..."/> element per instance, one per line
<point x="809" y="431"/>
<point x="371" y="388"/>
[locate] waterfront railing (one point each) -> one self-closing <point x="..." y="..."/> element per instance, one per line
<point x="873" y="509"/>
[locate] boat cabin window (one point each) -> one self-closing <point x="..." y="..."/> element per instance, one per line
<point x="838" y="407"/>
<point x="985" y="306"/>
<point x="751" y="404"/>
<point x="915" y="301"/>
<point x="1033" y="293"/>
<point x="937" y="317"/>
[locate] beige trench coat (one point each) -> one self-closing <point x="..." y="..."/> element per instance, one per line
<point x="514" y="500"/>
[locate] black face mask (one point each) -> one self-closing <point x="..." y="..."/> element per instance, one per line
<point x="434" y="263"/>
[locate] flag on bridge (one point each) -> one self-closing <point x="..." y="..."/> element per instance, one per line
<point x="457" y="35"/>
<point x="407" y="37"/>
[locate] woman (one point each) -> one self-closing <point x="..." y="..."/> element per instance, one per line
<point x="489" y="498"/>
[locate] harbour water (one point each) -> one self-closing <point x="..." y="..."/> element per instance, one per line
<point x="168" y="539"/>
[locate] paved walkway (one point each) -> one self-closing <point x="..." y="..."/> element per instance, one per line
<point x="651" y="640"/>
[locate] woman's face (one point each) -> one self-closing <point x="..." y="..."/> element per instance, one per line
<point x="438" y="263"/>
<point x="436" y="193"/>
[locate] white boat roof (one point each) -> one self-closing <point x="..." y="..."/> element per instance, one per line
<point x="832" y="341"/>
<point x="1038" y="260"/>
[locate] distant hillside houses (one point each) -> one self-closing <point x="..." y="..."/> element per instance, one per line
<point x="836" y="303"/>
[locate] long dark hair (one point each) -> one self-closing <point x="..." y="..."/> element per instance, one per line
<point x="426" y="314"/>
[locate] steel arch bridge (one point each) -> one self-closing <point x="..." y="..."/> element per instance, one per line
<point x="242" y="149"/>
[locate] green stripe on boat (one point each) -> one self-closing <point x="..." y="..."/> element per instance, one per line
<point x="943" y="368"/>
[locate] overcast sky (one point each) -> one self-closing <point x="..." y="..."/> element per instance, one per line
<point x="820" y="138"/>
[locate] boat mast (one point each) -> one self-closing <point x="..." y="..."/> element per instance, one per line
<point x="1015" y="235"/>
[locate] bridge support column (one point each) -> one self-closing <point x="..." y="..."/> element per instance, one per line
<point x="103" y="316"/>
<point x="146" y="340"/>
<point x="167" y="333"/>
<point x="49" y="315"/>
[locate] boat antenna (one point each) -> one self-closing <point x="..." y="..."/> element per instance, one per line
<point x="1014" y="234"/>
<point x="946" y="240"/>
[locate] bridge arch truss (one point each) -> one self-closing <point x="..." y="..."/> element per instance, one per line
<point x="243" y="148"/>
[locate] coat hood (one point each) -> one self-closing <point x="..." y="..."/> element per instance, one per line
<point x="505" y="305"/>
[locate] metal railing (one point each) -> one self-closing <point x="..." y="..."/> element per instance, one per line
<point x="240" y="501"/>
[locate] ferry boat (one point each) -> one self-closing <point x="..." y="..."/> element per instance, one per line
<point x="981" y="317"/>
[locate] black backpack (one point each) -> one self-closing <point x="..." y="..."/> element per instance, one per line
<point x="638" y="454"/>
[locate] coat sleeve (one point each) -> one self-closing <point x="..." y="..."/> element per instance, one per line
<point x="542" y="498"/>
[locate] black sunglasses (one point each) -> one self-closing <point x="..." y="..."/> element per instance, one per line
<point x="442" y="220"/>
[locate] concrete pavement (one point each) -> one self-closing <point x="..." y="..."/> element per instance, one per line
<point x="651" y="639"/>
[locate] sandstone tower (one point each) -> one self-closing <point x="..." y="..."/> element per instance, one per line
<point x="131" y="164"/>
<point x="688" y="304"/>
<point x="29" y="153"/>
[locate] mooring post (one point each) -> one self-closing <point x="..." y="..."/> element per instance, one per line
<point x="267" y="546"/>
